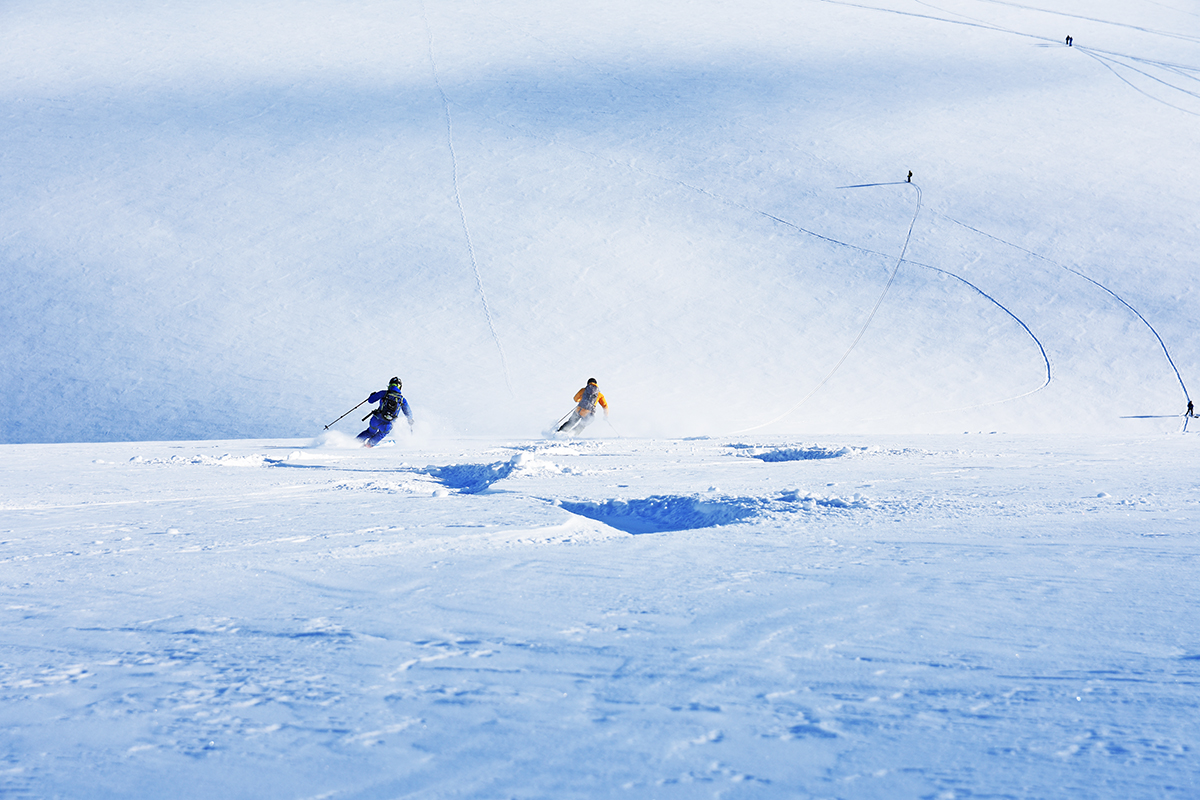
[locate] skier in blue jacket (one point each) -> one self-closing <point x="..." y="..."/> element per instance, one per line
<point x="391" y="405"/>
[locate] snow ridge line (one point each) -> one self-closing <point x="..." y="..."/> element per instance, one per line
<point x="1094" y="282"/>
<point x="462" y="214"/>
<point x="863" y="330"/>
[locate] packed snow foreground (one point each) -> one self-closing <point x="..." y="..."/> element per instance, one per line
<point x="737" y="617"/>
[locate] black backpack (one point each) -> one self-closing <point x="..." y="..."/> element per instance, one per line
<point x="389" y="406"/>
<point x="588" y="400"/>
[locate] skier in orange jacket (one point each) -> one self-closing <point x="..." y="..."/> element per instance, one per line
<point x="586" y="400"/>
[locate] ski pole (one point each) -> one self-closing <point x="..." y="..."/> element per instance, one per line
<point x="343" y="415"/>
<point x="614" y="429"/>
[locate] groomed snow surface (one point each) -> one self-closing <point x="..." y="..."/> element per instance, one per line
<point x="922" y="617"/>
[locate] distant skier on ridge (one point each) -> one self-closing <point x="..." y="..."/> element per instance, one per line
<point x="391" y="405"/>
<point x="585" y="409"/>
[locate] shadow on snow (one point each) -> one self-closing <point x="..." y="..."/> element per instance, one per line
<point x="665" y="513"/>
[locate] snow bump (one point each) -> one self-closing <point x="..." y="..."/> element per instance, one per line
<point x="663" y="513"/>
<point x="811" y="453"/>
<point x="472" y="478"/>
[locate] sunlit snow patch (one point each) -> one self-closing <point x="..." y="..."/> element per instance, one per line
<point x="529" y="463"/>
<point x="562" y="447"/>
<point x="661" y="513"/>
<point x="226" y="460"/>
<point x="789" y="500"/>
<point x="419" y="485"/>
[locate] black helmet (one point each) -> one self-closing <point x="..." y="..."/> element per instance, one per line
<point x="395" y="382"/>
<point x="593" y="380"/>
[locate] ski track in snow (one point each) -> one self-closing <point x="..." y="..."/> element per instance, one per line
<point x="1117" y="297"/>
<point x="867" y="251"/>
<point x="1110" y="60"/>
<point x="866" y="323"/>
<point x="1111" y="65"/>
<point x="462" y="213"/>
<point x="1168" y="34"/>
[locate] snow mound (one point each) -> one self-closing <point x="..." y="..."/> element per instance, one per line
<point x="801" y="453"/>
<point x="527" y="463"/>
<point x="662" y="513"/>
<point x="813" y="502"/>
<point x="773" y="453"/>
<point x="475" y="478"/>
<point x="472" y="478"/>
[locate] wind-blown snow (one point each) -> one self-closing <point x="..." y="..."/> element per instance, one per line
<point x="790" y="564"/>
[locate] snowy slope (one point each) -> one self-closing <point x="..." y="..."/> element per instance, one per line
<point x="781" y="571"/>
<point x="238" y="219"/>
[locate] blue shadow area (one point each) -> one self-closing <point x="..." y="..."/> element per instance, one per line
<point x="662" y="513"/>
<point x="471" y="478"/>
